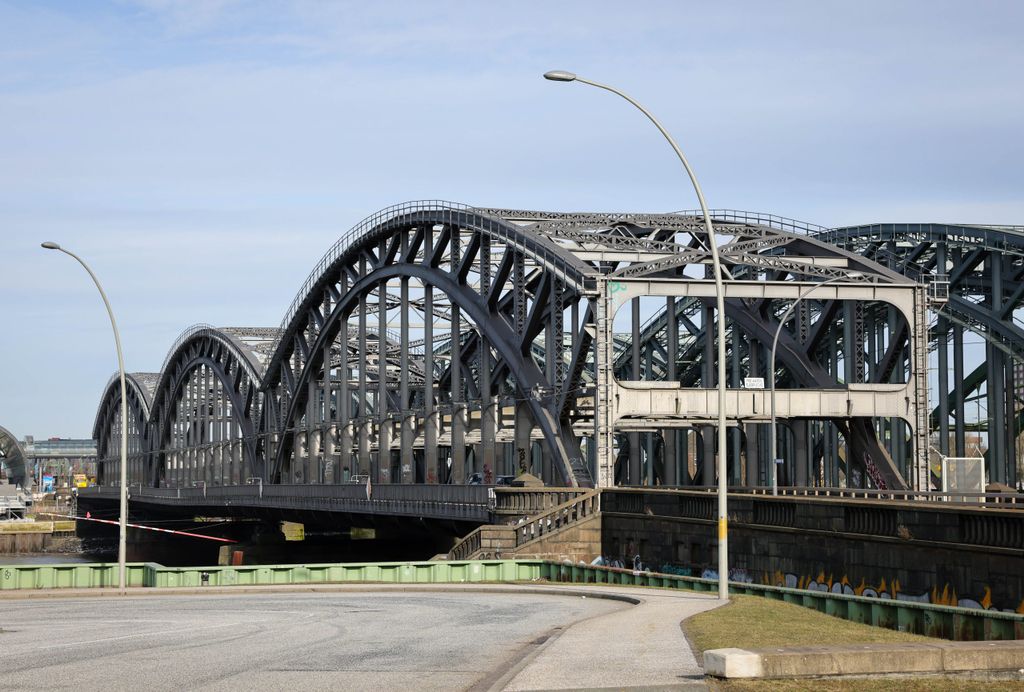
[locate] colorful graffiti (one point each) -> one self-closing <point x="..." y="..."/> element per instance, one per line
<point x="884" y="589"/>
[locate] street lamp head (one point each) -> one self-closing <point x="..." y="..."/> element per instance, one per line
<point x="49" y="245"/>
<point x="560" y="76"/>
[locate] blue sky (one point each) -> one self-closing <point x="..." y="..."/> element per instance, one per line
<point x="202" y="155"/>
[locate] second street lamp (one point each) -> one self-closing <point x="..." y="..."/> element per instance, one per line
<point x="723" y="525"/>
<point x="122" y="539"/>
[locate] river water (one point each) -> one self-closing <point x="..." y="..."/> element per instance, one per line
<point x="44" y="559"/>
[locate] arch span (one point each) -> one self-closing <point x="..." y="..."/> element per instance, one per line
<point x="475" y="277"/>
<point x="106" y="429"/>
<point x="205" y="409"/>
<point x="13" y="458"/>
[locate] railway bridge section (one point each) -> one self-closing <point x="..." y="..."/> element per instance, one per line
<point x="436" y="341"/>
<point x="438" y="345"/>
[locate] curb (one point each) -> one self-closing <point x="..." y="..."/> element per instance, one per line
<point x="866" y="659"/>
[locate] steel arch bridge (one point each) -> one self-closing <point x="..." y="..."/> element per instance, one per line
<point x="435" y="341"/>
<point x="13" y="459"/>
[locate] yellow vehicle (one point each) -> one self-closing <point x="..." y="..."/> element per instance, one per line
<point x="80" y="480"/>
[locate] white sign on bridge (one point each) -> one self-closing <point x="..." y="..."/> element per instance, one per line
<point x="753" y="383"/>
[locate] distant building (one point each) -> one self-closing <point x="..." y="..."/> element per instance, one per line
<point x="59" y="458"/>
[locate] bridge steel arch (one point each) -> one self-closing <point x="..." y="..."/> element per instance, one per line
<point x="982" y="270"/>
<point x="484" y="277"/>
<point x="548" y="279"/>
<point x="204" y="411"/>
<point x="106" y="429"/>
<point x="13" y="458"/>
<point x="436" y="341"/>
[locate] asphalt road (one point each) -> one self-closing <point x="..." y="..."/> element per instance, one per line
<point x="302" y="641"/>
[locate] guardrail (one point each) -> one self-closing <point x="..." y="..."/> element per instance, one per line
<point x="1012" y="500"/>
<point x="149" y="574"/>
<point x="946" y="622"/>
<point x="88" y="575"/>
<point x="921" y="618"/>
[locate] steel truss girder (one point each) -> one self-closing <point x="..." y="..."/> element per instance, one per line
<point x="499" y="334"/>
<point x="982" y="271"/>
<point x="669" y="405"/>
<point x="140" y="387"/>
<point x="582" y="254"/>
<point x="239" y="372"/>
<point x="517" y="246"/>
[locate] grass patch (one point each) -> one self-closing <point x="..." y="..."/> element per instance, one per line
<point x="755" y="622"/>
<point x="36" y="526"/>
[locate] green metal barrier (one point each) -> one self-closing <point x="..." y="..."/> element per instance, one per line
<point x="72" y="576"/>
<point x="909" y="616"/>
<point x="379" y="572"/>
<point x="946" y="622"/>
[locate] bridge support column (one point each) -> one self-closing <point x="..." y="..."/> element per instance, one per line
<point x="298" y="449"/>
<point x="753" y="450"/>
<point x="604" y="413"/>
<point x="384" y="437"/>
<point x="236" y="457"/>
<point x="670" y="456"/>
<point x="959" y="410"/>
<point x="753" y="475"/>
<point x="523" y="443"/>
<point x="345" y="441"/>
<point x="430" y="421"/>
<point x="330" y="452"/>
<point x="801" y="464"/>
<point x="407" y="430"/>
<point x="458" y="415"/>
<point x="384" y="433"/>
<point x="707" y="432"/>
<point x="707" y="440"/>
<point x="315" y="459"/>
<point x="488" y="429"/>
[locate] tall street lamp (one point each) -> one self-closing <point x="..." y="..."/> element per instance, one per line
<point x="723" y="526"/>
<point x="123" y="528"/>
<point x="771" y="367"/>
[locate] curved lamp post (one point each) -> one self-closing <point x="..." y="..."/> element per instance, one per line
<point x="723" y="533"/>
<point x="122" y="529"/>
<point x="771" y="367"/>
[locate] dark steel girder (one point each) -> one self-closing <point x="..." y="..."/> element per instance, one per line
<point x="500" y="335"/>
<point x="139" y="401"/>
<point x="239" y="412"/>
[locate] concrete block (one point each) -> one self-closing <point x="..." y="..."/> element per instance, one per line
<point x="732" y="663"/>
<point x="866" y="659"/>
<point x="997" y="655"/>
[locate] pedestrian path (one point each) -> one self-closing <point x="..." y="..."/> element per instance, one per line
<point x="642" y="646"/>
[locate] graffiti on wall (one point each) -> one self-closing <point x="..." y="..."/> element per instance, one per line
<point x="891" y="589"/>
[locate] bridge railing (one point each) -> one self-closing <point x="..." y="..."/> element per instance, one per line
<point x="461" y="502"/>
<point x="1005" y="500"/>
<point x="519" y="502"/>
<point x="570" y="512"/>
<point x="782" y="223"/>
<point x="503" y="539"/>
